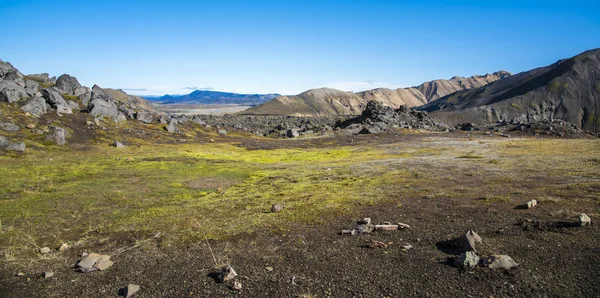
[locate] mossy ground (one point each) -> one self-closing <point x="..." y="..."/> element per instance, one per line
<point x="189" y="192"/>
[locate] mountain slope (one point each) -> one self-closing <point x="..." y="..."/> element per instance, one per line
<point x="331" y="102"/>
<point x="567" y="90"/>
<point x="214" y="97"/>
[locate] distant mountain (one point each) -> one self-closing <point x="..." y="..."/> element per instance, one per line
<point x="567" y="90"/>
<point x="213" y="97"/>
<point x="332" y="102"/>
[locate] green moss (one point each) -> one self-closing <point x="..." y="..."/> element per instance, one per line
<point x="516" y="106"/>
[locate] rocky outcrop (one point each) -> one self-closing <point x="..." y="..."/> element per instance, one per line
<point x="36" y="106"/>
<point x="378" y="117"/>
<point x="67" y="84"/>
<point x="56" y="101"/>
<point x="11" y="92"/>
<point x="326" y="102"/>
<point x="568" y="90"/>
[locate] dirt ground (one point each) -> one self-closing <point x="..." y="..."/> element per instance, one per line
<point x="556" y="257"/>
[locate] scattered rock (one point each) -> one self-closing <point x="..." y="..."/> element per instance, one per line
<point x="20" y="274"/>
<point x="56" y="101"/>
<point x="145" y="117"/>
<point x="3" y="142"/>
<point x="19" y="147"/>
<point x="269" y="269"/>
<point x="378" y="244"/>
<point x="364" y="229"/>
<point x="292" y="133"/>
<point x="237" y="286"/>
<point x="130" y="290"/>
<point x="63" y="247"/>
<point x="584" y="220"/>
<point x="365" y="221"/>
<point x="93" y="262"/>
<point x="117" y="144"/>
<point x="57" y="135"/>
<point x="7" y="126"/>
<point x="67" y="84"/>
<point x="222" y="132"/>
<point x="172" y="127"/>
<point x="11" y="91"/>
<point x="277" y="208"/>
<point x="349" y="232"/>
<point x="468" y="241"/>
<point x="386" y="227"/>
<point x="529" y="204"/>
<point x="403" y="226"/>
<point x="500" y="262"/>
<point x="45" y="250"/>
<point x="48" y="274"/>
<point x="467" y="259"/>
<point x="407" y="247"/>
<point x="226" y="274"/>
<point x="30" y="126"/>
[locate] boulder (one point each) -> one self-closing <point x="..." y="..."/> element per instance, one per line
<point x="19" y="147"/>
<point x="145" y="117"/>
<point x="7" y="126"/>
<point x="48" y="274"/>
<point x="11" y="92"/>
<point x="57" y="135"/>
<point x="500" y="262"/>
<point x="222" y="132"/>
<point x="36" y="106"/>
<point x="67" y="84"/>
<point x="529" y="204"/>
<point x="99" y="107"/>
<point x="370" y="129"/>
<point x="45" y="250"/>
<point x="82" y="90"/>
<point x="365" y="228"/>
<point x="43" y="78"/>
<point x="468" y="241"/>
<point x="292" y="133"/>
<point x="56" y="101"/>
<point x="85" y="98"/>
<point x="73" y="105"/>
<point x="117" y="144"/>
<point x="467" y="259"/>
<point x="172" y="127"/>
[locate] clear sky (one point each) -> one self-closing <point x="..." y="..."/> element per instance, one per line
<point x="158" y="47"/>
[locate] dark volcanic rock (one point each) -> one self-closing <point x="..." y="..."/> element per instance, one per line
<point x="377" y="118"/>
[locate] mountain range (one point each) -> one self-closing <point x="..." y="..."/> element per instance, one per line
<point x="212" y="97"/>
<point x="324" y="102"/>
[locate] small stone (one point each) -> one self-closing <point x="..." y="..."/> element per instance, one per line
<point x="530" y="204"/>
<point x="48" y="274"/>
<point x="212" y="140"/>
<point x="269" y="269"/>
<point x="222" y="132"/>
<point x="467" y="260"/>
<point x="63" y="247"/>
<point x="226" y="274"/>
<point x="89" y="261"/>
<point x="403" y="226"/>
<point x="277" y="208"/>
<point x="584" y="220"/>
<point x="237" y="286"/>
<point x="45" y="250"/>
<point x="348" y="232"/>
<point x="365" y="221"/>
<point x="20" y="274"/>
<point x="386" y="227"/>
<point x="377" y="244"/>
<point x="407" y="247"/>
<point x="30" y="126"/>
<point x="131" y="290"/>
<point x="103" y="264"/>
<point x="469" y="240"/>
<point x="500" y="262"/>
<point x="364" y="229"/>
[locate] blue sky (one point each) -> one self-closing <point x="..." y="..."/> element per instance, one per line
<point x="158" y="47"/>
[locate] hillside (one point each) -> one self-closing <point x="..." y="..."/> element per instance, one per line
<point x="567" y="90"/>
<point x="213" y="97"/>
<point x="331" y="102"/>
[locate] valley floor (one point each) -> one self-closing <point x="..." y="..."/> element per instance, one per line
<point x="159" y="210"/>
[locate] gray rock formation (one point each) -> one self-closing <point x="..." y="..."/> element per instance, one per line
<point x="7" y="126"/>
<point x="145" y="117"/>
<point x="11" y="91"/>
<point x="57" y="135"/>
<point x="67" y="84"/>
<point x="56" y="101"/>
<point x="19" y="147"/>
<point x="36" y="106"/>
<point x="3" y="142"/>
